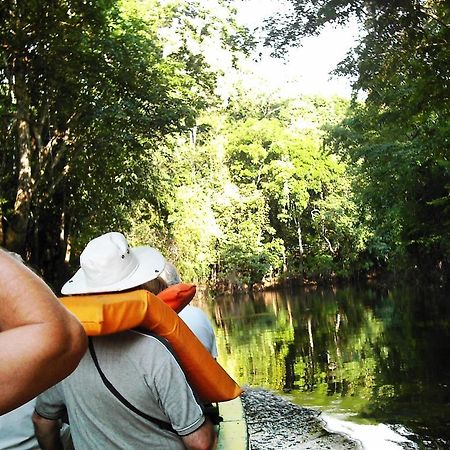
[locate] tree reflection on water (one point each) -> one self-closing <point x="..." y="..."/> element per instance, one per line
<point x="377" y="355"/>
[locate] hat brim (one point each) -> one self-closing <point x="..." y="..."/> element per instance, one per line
<point x="150" y="264"/>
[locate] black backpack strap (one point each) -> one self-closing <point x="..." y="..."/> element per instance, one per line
<point x="161" y="424"/>
<point x="213" y="414"/>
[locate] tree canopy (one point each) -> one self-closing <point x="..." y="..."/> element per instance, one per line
<point x="131" y="116"/>
<point x="397" y="137"/>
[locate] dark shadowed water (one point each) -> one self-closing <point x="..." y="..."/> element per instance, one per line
<point x="366" y="357"/>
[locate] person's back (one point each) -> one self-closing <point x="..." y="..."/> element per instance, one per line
<point x="139" y="368"/>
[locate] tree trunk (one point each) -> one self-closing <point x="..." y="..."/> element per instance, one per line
<point x="16" y="234"/>
<point x="2" y="228"/>
<point x="300" y="248"/>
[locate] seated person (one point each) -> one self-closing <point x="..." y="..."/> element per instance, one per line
<point x="129" y="390"/>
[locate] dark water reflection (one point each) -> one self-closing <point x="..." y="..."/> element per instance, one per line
<point x="380" y="356"/>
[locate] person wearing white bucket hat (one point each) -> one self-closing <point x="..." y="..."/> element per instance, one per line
<point x="129" y="390"/>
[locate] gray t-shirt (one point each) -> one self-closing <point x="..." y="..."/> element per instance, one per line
<point x="145" y="372"/>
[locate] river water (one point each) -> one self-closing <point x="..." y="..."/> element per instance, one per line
<point x="376" y="362"/>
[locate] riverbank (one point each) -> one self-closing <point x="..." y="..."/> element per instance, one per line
<point x="275" y="423"/>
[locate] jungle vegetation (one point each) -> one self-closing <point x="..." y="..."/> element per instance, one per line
<point x="127" y="116"/>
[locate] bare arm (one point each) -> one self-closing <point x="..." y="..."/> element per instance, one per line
<point x="204" y="438"/>
<point x="47" y="433"/>
<point x="40" y="341"/>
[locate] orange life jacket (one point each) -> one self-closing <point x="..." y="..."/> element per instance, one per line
<point x="111" y="313"/>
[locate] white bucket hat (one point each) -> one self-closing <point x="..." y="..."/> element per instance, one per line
<point x="108" y="264"/>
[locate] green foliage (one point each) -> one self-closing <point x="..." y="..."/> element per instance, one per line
<point x="396" y="140"/>
<point x="277" y="180"/>
<point x="246" y="254"/>
<point x="100" y="93"/>
<point x="111" y="119"/>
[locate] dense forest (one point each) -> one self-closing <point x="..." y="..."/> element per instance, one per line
<point x="134" y="116"/>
